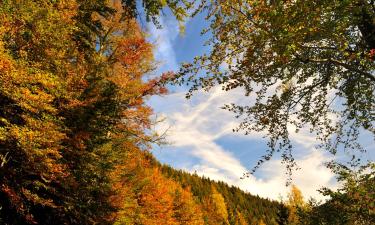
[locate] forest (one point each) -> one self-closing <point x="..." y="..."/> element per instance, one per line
<point x="76" y="132"/>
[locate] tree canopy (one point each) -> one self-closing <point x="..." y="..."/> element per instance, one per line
<point x="308" y="64"/>
<point x="72" y="91"/>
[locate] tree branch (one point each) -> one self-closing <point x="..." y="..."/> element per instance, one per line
<point x="338" y="63"/>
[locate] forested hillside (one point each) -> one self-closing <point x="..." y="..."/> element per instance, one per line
<point x="241" y="207"/>
<point x="159" y="194"/>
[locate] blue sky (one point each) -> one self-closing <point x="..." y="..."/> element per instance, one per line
<point x="200" y="133"/>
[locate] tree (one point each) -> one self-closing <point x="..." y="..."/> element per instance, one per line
<point x="71" y="91"/>
<point x="261" y="222"/>
<point x="240" y="220"/>
<point x="35" y="41"/>
<point x="186" y="210"/>
<point x="145" y="196"/>
<point x="215" y="209"/>
<point x="352" y="203"/>
<point x="294" y="204"/>
<point x="220" y="206"/>
<point x="108" y="116"/>
<point x="308" y="64"/>
<point x="282" y="215"/>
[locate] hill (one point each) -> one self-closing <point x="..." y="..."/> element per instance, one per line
<point x="241" y="207"/>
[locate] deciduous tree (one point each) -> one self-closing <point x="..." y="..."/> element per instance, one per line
<point x="71" y="92"/>
<point x="351" y="203"/>
<point x="307" y="64"/>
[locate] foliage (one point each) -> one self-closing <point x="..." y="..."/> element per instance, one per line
<point x="307" y="64"/>
<point x="72" y="91"/>
<point x="352" y="203"/>
<point x="186" y="210"/>
<point x="215" y="208"/>
<point x="33" y="65"/>
<point x="145" y="196"/>
<point x="294" y="204"/>
<point x="153" y="9"/>
<point x="241" y="207"/>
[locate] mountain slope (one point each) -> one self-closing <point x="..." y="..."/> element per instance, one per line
<point x="240" y="207"/>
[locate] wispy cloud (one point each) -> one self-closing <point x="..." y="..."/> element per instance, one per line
<point x="197" y="124"/>
<point x="163" y="40"/>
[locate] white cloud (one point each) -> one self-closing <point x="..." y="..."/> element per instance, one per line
<point x="312" y="176"/>
<point x="163" y="41"/>
<point x="197" y="123"/>
<point x="194" y="126"/>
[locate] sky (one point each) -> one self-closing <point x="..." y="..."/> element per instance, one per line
<point x="199" y="133"/>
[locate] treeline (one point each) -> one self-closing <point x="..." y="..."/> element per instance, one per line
<point x="159" y="194"/>
<point x="241" y="207"/>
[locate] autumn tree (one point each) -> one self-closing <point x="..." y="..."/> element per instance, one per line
<point x="294" y="204"/>
<point x="33" y="67"/>
<point x="215" y="209"/>
<point x="108" y="111"/>
<point x="186" y="210"/>
<point x="307" y="64"/>
<point x="145" y="196"/>
<point x="261" y="222"/>
<point x="240" y="220"/>
<point x="219" y="204"/>
<point x="72" y="91"/>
